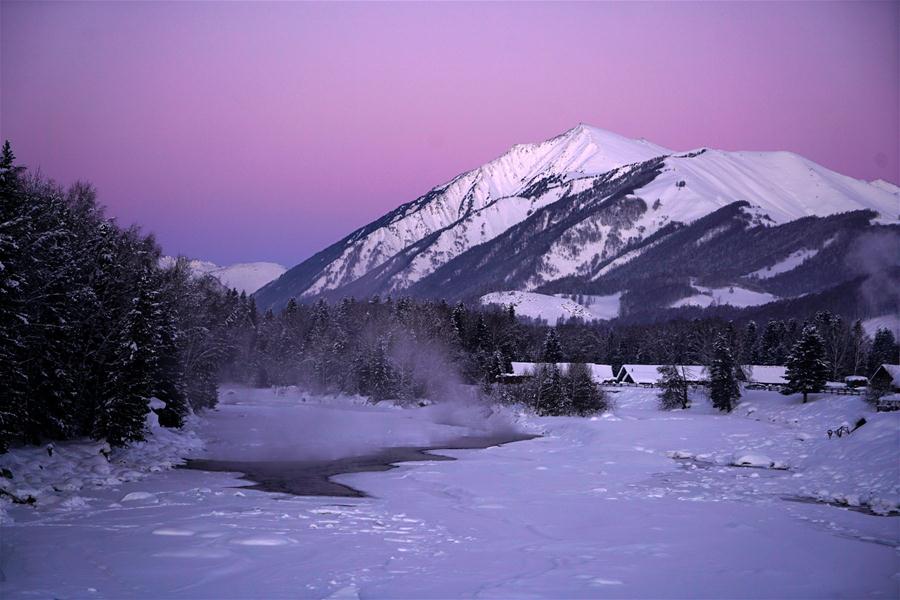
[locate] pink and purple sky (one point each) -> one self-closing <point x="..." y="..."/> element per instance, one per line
<point x="266" y="131"/>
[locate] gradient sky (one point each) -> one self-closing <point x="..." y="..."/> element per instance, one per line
<point x="257" y="131"/>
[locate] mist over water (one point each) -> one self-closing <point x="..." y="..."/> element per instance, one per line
<point x="877" y="255"/>
<point x="290" y="424"/>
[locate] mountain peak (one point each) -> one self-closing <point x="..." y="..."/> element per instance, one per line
<point x="488" y="212"/>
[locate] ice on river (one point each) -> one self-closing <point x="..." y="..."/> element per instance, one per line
<point x="638" y="503"/>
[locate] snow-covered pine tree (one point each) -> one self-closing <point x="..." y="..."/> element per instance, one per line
<point x="481" y="338"/>
<point x="15" y="231"/>
<point x="806" y="367"/>
<point x="551" y="398"/>
<point x="673" y="388"/>
<point x="724" y="390"/>
<point x="586" y="396"/>
<point x="551" y="352"/>
<point x="382" y="379"/>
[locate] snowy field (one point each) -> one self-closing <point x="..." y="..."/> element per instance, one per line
<point x="634" y="503"/>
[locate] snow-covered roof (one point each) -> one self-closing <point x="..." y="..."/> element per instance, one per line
<point x="856" y="378"/>
<point x="599" y="373"/>
<point x="765" y="374"/>
<point x="650" y="373"/>
<point x="640" y="373"/>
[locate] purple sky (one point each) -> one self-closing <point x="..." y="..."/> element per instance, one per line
<point x="252" y="131"/>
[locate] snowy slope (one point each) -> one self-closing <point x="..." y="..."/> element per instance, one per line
<point x="783" y="185"/>
<point x="733" y="296"/>
<point x="891" y="322"/>
<point x="244" y="277"/>
<point x="554" y="308"/>
<point x="479" y="206"/>
<point x="789" y="263"/>
<point x="482" y="203"/>
<point x="248" y="277"/>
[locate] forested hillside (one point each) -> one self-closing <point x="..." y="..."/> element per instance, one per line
<point x="91" y="327"/>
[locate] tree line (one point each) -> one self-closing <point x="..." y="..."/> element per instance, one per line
<point x="91" y="326"/>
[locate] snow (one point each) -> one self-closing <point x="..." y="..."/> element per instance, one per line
<point x="791" y="262"/>
<point x="477" y="206"/>
<point x="891" y="321"/>
<point x="782" y="185"/>
<point x="753" y="460"/>
<point x="464" y="204"/>
<point x="649" y="374"/>
<point x="553" y="308"/>
<point x="732" y="295"/>
<point x="765" y="374"/>
<point x="886" y="186"/>
<point x="78" y="466"/>
<point x="244" y="277"/>
<point x="634" y="503"/>
<point x="599" y="373"/>
<point x="248" y="277"/>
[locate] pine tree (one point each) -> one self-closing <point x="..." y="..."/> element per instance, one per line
<point x="382" y="379"/>
<point x="458" y="318"/>
<point x="673" y="388"/>
<point x="551" y="398"/>
<point x="586" y="396"/>
<point x="884" y="350"/>
<point x="723" y="385"/>
<point x="772" y="350"/>
<point x="481" y="339"/>
<point x="552" y="350"/>
<point x="806" y="367"/>
<point x="749" y="353"/>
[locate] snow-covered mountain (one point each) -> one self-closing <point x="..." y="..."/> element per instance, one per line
<point x="579" y="207"/>
<point x="244" y="277"/>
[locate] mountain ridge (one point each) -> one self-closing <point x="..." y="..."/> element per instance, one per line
<point x="600" y="196"/>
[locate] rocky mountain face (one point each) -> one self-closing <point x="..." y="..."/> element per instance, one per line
<point x="592" y="213"/>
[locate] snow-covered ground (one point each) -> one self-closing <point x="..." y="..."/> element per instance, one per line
<point x="733" y="295"/>
<point x="791" y="262"/>
<point x="556" y="307"/>
<point x="634" y="503"/>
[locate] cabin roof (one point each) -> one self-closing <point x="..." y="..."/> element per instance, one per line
<point x="650" y="373"/>
<point x="892" y="370"/>
<point x="766" y="374"/>
<point x="599" y="373"/>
